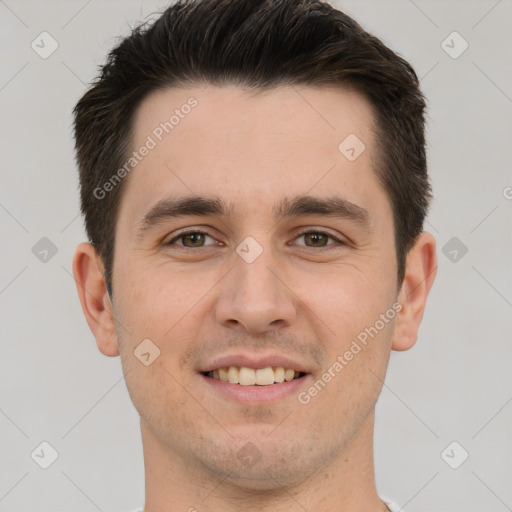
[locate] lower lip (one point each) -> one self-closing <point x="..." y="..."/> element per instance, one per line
<point x="257" y="394"/>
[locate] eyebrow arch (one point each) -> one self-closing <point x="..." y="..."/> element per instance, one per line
<point x="299" y="206"/>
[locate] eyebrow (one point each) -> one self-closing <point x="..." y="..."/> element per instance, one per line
<point x="299" y="206"/>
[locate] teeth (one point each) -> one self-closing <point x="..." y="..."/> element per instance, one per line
<point x="246" y="376"/>
<point x="288" y="375"/>
<point x="279" y="374"/>
<point x="265" y="376"/>
<point x="233" y="374"/>
<point x="249" y="376"/>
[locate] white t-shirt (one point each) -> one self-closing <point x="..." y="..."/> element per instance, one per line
<point x="393" y="507"/>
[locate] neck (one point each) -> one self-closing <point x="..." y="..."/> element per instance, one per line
<point x="346" y="483"/>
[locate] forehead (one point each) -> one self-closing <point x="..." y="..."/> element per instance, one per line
<point x="318" y="114"/>
<point x="252" y="147"/>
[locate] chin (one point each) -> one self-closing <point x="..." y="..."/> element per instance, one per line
<point x="262" y="464"/>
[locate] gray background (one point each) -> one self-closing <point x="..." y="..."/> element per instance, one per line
<point x="454" y="385"/>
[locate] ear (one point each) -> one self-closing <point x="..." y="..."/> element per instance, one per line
<point x="96" y="305"/>
<point x="420" y="271"/>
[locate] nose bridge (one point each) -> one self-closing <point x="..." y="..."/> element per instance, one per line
<point x="256" y="278"/>
<point x="253" y="296"/>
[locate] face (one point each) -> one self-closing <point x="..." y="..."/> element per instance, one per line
<point x="286" y="268"/>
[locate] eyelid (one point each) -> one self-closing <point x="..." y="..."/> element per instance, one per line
<point x="298" y="235"/>
<point x="188" y="231"/>
<point x="321" y="231"/>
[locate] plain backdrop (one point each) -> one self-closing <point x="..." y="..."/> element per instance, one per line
<point x="453" y="386"/>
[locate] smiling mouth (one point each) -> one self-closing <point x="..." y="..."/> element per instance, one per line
<point x="246" y="376"/>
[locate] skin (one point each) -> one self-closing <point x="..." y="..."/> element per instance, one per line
<point x="296" y="299"/>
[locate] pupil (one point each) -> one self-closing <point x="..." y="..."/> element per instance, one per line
<point x="194" y="237"/>
<point x="315" y="236"/>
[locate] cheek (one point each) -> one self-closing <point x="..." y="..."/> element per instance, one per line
<point x="357" y="345"/>
<point x="356" y="304"/>
<point x="167" y="307"/>
<point x="155" y="311"/>
<point x="154" y="301"/>
<point x="351" y="297"/>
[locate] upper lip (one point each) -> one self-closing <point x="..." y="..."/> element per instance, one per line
<point x="254" y="361"/>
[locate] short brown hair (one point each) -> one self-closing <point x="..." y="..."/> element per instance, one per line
<point x="256" y="44"/>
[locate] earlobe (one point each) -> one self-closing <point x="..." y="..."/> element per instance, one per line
<point x="94" y="298"/>
<point x="419" y="277"/>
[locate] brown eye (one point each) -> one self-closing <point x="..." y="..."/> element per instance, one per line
<point x="318" y="239"/>
<point x="195" y="239"/>
<point x="191" y="239"/>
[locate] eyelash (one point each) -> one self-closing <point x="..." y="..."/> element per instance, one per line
<point x="316" y="232"/>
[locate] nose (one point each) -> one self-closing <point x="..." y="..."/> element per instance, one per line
<point x="255" y="297"/>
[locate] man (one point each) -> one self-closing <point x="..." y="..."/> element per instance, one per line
<point x="254" y="185"/>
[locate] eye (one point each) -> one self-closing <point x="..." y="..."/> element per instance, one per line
<point x="317" y="239"/>
<point x="190" y="239"/>
<point x="196" y="239"/>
